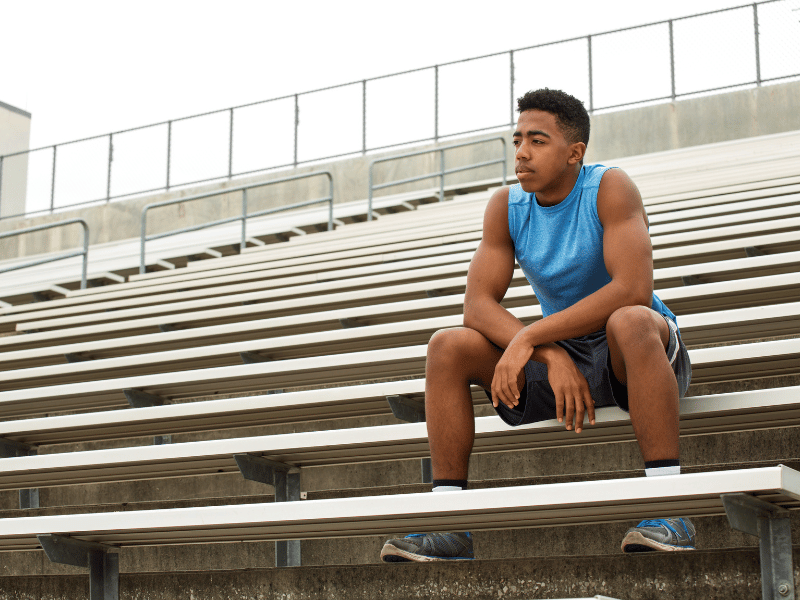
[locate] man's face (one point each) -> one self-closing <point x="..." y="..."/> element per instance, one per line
<point x="542" y="152"/>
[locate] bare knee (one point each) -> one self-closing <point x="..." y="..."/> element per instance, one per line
<point x="633" y="327"/>
<point x="447" y="346"/>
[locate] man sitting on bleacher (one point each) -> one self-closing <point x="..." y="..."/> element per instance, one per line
<point x="580" y="234"/>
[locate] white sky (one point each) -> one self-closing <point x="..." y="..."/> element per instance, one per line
<point x="88" y="67"/>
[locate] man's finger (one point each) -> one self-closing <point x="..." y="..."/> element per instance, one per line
<point x="590" y="407"/>
<point x="579" y="414"/>
<point x="559" y="407"/>
<point x="570" y="406"/>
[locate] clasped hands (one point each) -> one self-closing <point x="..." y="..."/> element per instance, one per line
<point x="573" y="399"/>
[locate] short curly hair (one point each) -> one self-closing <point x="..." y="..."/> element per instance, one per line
<point x="571" y="115"/>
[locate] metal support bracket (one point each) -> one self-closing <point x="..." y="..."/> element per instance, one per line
<point x="771" y="525"/>
<point x="407" y="409"/>
<point x="167" y="327"/>
<point x="286" y="480"/>
<point x="102" y="562"/>
<point x="752" y="251"/>
<point x="28" y="498"/>
<point x="73" y="357"/>
<point x="350" y="323"/>
<point x="691" y="280"/>
<point x="250" y="358"/>
<point x="140" y="399"/>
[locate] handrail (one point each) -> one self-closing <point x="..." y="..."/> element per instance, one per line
<point x="243" y="217"/>
<point x="84" y="252"/>
<point x="442" y="171"/>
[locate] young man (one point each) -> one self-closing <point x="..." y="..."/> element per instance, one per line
<point x="580" y="234"/>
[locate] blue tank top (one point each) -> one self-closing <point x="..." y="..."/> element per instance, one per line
<point x="560" y="248"/>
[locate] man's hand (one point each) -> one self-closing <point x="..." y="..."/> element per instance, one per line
<point x="505" y="383"/>
<point x="573" y="400"/>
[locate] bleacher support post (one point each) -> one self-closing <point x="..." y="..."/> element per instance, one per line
<point x="412" y="411"/>
<point x="103" y="564"/>
<point x="771" y="525"/>
<point x="286" y="480"/>
<point x="27" y="498"/>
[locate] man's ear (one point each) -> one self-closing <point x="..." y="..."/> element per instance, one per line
<point x="576" y="153"/>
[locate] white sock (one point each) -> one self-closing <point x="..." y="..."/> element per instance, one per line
<point x="657" y="471"/>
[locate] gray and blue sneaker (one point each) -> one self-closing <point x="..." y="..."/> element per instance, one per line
<point x="660" y="534"/>
<point x="426" y="547"/>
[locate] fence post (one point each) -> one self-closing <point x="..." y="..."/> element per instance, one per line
<point x="672" y="59"/>
<point x="511" y="57"/>
<point x="364" y="117"/>
<point x="296" y="124"/>
<point x="169" y="149"/>
<point x="243" y="243"/>
<point x="230" y="146"/>
<point x="758" y="52"/>
<point x="591" y="94"/>
<point x="436" y="103"/>
<point x="110" y="159"/>
<point x="53" y="183"/>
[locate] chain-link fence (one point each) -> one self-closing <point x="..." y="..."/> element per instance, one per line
<point x="733" y="48"/>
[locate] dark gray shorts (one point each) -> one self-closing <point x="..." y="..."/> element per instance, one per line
<point x="590" y="354"/>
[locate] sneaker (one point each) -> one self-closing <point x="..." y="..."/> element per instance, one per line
<point x="426" y="547"/>
<point x="660" y="534"/>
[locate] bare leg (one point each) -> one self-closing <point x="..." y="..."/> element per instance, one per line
<point x="637" y="337"/>
<point x="456" y="359"/>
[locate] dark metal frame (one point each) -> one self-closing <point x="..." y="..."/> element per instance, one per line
<point x="243" y="217"/>
<point x="39" y="261"/>
<point x="758" y="81"/>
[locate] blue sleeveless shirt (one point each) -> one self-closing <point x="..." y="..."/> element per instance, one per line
<point x="560" y="248"/>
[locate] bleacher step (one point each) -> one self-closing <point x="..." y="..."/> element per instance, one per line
<point x="710" y="575"/>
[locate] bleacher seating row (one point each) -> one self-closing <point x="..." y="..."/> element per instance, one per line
<point x="337" y="322"/>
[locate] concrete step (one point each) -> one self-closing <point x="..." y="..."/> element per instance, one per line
<point x="711" y="575"/>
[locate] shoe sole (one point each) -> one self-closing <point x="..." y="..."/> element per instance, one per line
<point x="636" y="542"/>
<point x="391" y="553"/>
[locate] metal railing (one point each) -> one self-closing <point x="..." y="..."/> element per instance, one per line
<point x="440" y="174"/>
<point x="748" y="45"/>
<point x="40" y="261"/>
<point x="243" y="217"/>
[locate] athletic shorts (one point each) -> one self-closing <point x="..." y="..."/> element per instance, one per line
<point x="590" y="355"/>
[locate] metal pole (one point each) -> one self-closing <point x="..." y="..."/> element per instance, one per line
<point x="53" y="182"/>
<point x="230" y="146"/>
<point x="511" y="56"/>
<point x="591" y="95"/>
<point x="1" y="186"/>
<point x="243" y="244"/>
<point x="364" y="116"/>
<point x="758" y="53"/>
<point x="672" y="59"/>
<point x="369" y="198"/>
<point x="110" y="159"/>
<point x="441" y="176"/>
<point x="330" y="205"/>
<point x="436" y="103"/>
<point x="296" y="124"/>
<point x="169" y="151"/>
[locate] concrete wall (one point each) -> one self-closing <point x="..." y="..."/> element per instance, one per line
<point x="667" y="126"/>
<point x="15" y="135"/>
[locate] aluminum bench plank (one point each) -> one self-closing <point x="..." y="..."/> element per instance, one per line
<point x="764" y="290"/>
<point x="548" y="505"/>
<point x="736" y="325"/>
<point x="663" y="277"/>
<point x="699" y="415"/>
<point x="718" y="364"/>
<point x="703" y="297"/>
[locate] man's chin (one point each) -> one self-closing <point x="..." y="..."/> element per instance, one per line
<point x="528" y="187"/>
